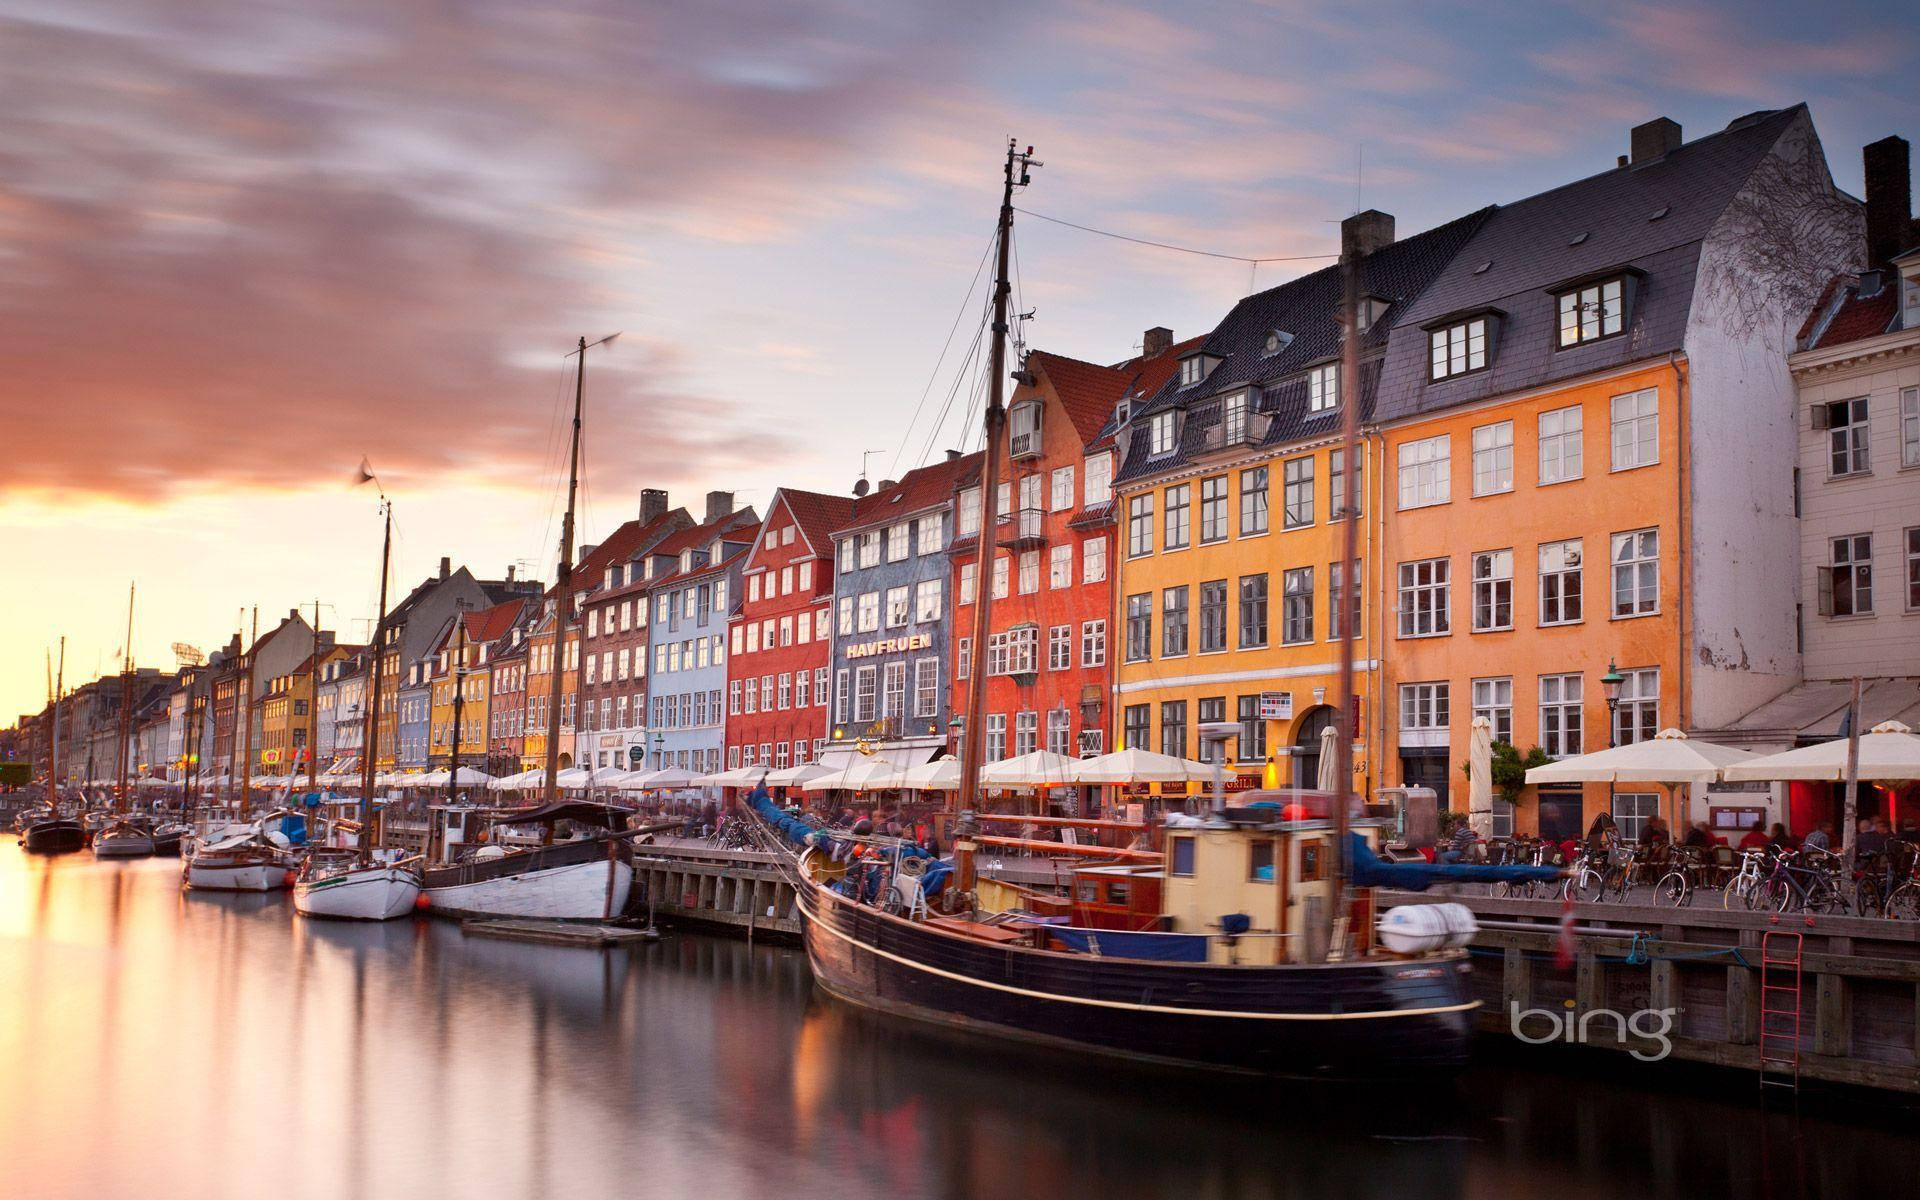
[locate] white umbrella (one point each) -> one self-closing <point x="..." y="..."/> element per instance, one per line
<point x="1041" y="768"/>
<point x="1329" y="780"/>
<point x="738" y="777"/>
<point x="1889" y="753"/>
<point x="869" y="776"/>
<point x="474" y="777"/>
<point x="796" y="775"/>
<point x="574" y="777"/>
<point x="436" y="779"/>
<point x="1479" y="776"/>
<point x="1140" y="766"/>
<point x="669" y="777"/>
<point x="1669" y="758"/>
<point x="940" y="775"/>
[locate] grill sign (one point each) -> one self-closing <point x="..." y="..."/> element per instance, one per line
<point x="899" y="645"/>
<point x="1276" y="706"/>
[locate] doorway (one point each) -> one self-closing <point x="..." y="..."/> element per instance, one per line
<point x="1306" y="746"/>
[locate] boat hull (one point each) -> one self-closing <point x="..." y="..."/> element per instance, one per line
<point x="54" y="837"/>
<point x="569" y="892"/>
<point x="238" y="877"/>
<point x="122" y="847"/>
<point x="1359" y="1020"/>
<point x="364" y="894"/>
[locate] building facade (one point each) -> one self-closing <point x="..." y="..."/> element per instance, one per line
<point x="694" y="587"/>
<point x="613" y="614"/>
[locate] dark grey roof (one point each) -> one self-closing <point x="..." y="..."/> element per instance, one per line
<point x="1306" y="308"/>
<point x="1526" y="247"/>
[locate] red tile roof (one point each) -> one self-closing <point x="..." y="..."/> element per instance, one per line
<point x="1089" y="392"/>
<point x="619" y="546"/>
<point x="739" y="525"/>
<point x="1858" y="318"/>
<point x="920" y="488"/>
<point x="492" y="624"/>
<point x="818" y="515"/>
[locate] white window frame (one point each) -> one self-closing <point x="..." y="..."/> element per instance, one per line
<point x="1097" y="487"/>
<point x="1426" y="469"/>
<point x="1162" y="434"/>
<point x="1425" y="597"/>
<point x="1493" y="458"/>
<point x="1850" y="442"/>
<point x="1323" y="388"/>
<point x="1634" y="422"/>
<point x="1636" y="716"/>
<point x="1458" y="349"/>
<point x="1551" y="560"/>
<point x="1493" y="699"/>
<point x="1634" y="562"/>
<point x="1562" y="715"/>
<point x="1562" y="456"/>
<point x="1492" y="575"/>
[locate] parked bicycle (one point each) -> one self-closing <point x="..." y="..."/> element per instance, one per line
<point x="1744" y="889"/>
<point x="1809" y="881"/>
<point x="1685" y="868"/>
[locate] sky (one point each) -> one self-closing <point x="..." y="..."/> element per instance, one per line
<point x="244" y="244"/>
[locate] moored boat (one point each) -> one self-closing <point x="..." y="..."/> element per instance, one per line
<point x="250" y="862"/>
<point x="122" y="839"/>
<point x="588" y="879"/>
<point x="337" y="884"/>
<point x="168" y="836"/>
<point x="54" y="835"/>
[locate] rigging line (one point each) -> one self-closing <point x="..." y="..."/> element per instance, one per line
<point x="961" y="372"/>
<point x="1170" y="246"/>
<point x="968" y="372"/>
<point x="944" y="347"/>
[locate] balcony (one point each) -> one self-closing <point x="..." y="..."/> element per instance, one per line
<point x="1022" y="529"/>
<point x="1237" y="428"/>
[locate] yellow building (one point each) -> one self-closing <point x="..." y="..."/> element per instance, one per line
<point x="286" y="717"/>
<point x="463" y="646"/>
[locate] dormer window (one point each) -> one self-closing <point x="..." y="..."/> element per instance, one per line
<point x="1192" y="370"/>
<point x="1323" y="388"/>
<point x="1592" y="311"/>
<point x="1023" y="427"/>
<point x="686" y="560"/>
<point x="1459" y="348"/>
<point x="1122" y="411"/>
<point x="1233" y="417"/>
<point x="1162" y="433"/>
<point x="1371" y="309"/>
<point x="1277" y="340"/>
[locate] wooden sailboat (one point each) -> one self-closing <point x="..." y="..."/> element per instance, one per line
<point x="354" y="885"/>
<point x="122" y="838"/>
<point x="583" y="880"/>
<point x="52" y="833"/>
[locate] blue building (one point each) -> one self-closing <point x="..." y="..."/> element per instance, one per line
<point x="892" y="620"/>
<point x="693" y="586"/>
<point x="415" y="718"/>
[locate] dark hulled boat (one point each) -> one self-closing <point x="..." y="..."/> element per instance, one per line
<point x="54" y="835"/>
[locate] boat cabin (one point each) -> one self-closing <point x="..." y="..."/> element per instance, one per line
<point x="1122" y="896"/>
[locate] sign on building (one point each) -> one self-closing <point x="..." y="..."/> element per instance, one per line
<point x="1276" y="706"/>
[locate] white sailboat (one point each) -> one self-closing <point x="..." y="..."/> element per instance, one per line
<point x="335" y="883"/>
<point x="251" y="861"/>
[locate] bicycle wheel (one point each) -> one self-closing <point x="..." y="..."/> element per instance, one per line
<point x="1671" y="890"/>
<point x="1588" y="887"/>
<point x="1904" y="904"/>
<point x="1737" y="893"/>
<point x="1866" y="898"/>
<point x="1777" y="895"/>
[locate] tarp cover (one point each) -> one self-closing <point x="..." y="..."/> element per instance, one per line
<point x="609" y="816"/>
<point x="1367" y="869"/>
<point x="1154" y="947"/>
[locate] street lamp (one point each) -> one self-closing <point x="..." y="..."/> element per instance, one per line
<point x="1610" y="688"/>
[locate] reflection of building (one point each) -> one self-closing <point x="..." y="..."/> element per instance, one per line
<point x="1588" y="451"/>
<point x="1049" y="654"/>
<point x="692" y="584"/>
<point x="1857" y="368"/>
<point x="1230" y="532"/>
<point x="780" y="640"/>
<point x="893" y="616"/>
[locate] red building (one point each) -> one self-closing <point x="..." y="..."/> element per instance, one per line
<point x="1049" y="653"/>
<point x="781" y="639"/>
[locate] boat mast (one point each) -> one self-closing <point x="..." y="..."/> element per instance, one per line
<point x="126" y="709"/>
<point x="563" y="586"/>
<point x="459" y="663"/>
<point x="246" y="694"/>
<point x="972" y="732"/>
<point x="1344" y="709"/>
<point x="53" y="743"/>
<point x="370" y="736"/>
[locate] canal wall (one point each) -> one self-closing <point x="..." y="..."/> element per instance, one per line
<point x="736" y="891"/>
<point x="1857" y="998"/>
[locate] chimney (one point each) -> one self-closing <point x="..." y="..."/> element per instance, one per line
<point x="446" y="566"/>
<point x="1367" y="231"/>
<point x="719" y="504"/>
<point x="1654" y="139"/>
<point x="1157" y="340"/>
<point x="1889" y="199"/>
<point x="653" y="505"/>
<point x="887" y="483"/>
<point x="952" y="455"/>
<point x="587" y="549"/>
<point x="509" y="572"/>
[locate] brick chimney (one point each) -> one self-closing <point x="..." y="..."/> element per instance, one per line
<point x="1654" y="139"/>
<point x="1367" y="231"/>
<point x="653" y="505"/>
<point x="1889" y="199"/>
<point x="1157" y="340"/>
<point x="446" y="566"/>
<point x="719" y="504"/>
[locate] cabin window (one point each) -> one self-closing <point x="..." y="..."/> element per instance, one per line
<point x="1260" y="861"/>
<point x="1309" y="862"/>
<point x="1086" y="891"/>
<point x="1182" y="856"/>
<point x="1119" y="892"/>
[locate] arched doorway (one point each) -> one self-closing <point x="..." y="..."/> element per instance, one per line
<point x="566" y="761"/>
<point x="1306" y="745"/>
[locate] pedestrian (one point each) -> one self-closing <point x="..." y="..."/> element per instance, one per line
<point x="1756" y="837"/>
<point x="1698" y="837"/>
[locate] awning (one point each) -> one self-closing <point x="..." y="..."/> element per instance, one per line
<point x="899" y="757"/>
<point x="1812" y="711"/>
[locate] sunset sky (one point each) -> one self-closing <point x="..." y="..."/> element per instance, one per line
<point x="245" y="244"/>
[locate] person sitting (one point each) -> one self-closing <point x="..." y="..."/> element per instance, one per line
<point x="1656" y="833"/>
<point x="1820" y="839"/>
<point x="1698" y="837"/>
<point x="1756" y="837"/>
<point x="1460" y="845"/>
<point x="1872" y="836"/>
<point x="1779" y="837"/>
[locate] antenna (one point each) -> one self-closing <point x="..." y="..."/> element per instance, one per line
<point x="860" y="486"/>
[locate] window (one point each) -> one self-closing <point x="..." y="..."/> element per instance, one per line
<point x="1493" y="699"/>
<point x="1191" y="369"/>
<point x="1060" y="567"/>
<point x="1253" y="501"/>
<point x="969" y="582"/>
<point x="1014" y="652"/>
<point x="1636" y="573"/>
<point x="1029" y="572"/>
<point x="1179" y="512"/>
<point x="1631" y="810"/>
<point x="1637" y="716"/>
<point x="1233" y="418"/>
<point x="1060" y="489"/>
<point x="1213" y="509"/>
<point x="1424" y="472"/>
<point x="820" y="686"/>
<point x="786" y="691"/>
<point x="1560" y="432"/>
<point x="1059" y="731"/>
<point x="865" y="680"/>
<point x="1030" y="492"/>
<point x="1182" y="851"/>
<point x="1023" y="428"/>
<point x="1026" y="733"/>
<point x="1636" y="430"/>
<point x="869" y="548"/>
<point x="1059" y="647"/>
<point x="928" y="539"/>
<point x="1593" y="312"/>
<point x="802" y="681"/>
<point x="1161" y="431"/>
<point x="1093" y="643"/>
<point x="1337" y="485"/>
<point x="1560" y="715"/>
<point x="846" y="616"/>
<point x="869" y="619"/>
<point x="1140" y="526"/>
<point x="1848" y="587"/>
<point x="996" y="747"/>
<point x="1252" y="743"/>
<point x="1140" y="627"/>
<point x="1337" y="612"/>
<point x="1173" y="622"/>
<point x="926" y="600"/>
<point x="967" y="523"/>
<point x="1423" y="713"/>
<point x="786" y="631"/>
<point x="1323" y="388"/>
<point x="898" y="607"/>
<point x="1913" y="569"/>
<point x="1296" y="493"/>
<point x="1425" y="597"/>
<point x="1493" y="458"/>
<point x="1213" y="616"/>
<point x="1459" y="349"/>
<point x="1847" y="445"/>
<point x="753" y="695"/>
<point x="1092" y="742"/>
<point x="1137" y="726"/>
<point x="1253" y="611"/>
<point x="1098" y="488"/>
<point x="1093" y="560"/>
<point x="1296" y="605"/>
<point x="898" y="542"/>
<point x="1560" y="582"/>
<point x="842" y="696"/>
<point x="1173" y="728"/>
<point x="1910" y="427"/>
<point x="964" y="653"/>
<point x="893" y="696"/>
<point x="1492" y="590"/>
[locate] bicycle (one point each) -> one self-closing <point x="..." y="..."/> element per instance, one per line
<point x="1744" y="889"/>
<point x="1810" y="885"/>
<point x="1589" y="881"/>
<point x="1675" y="888"/>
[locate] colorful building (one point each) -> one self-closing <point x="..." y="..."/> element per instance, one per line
<point x="781" y="638"/>
<point x="693" y="586"/>
<point x="507" y="697"/>
<point x="1049" y="654"/>
<point x="613" y="610"/>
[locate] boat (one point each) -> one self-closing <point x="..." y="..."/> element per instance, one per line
<point x="584" y="879"/>
<point x="250" y="861"/>
<point x="54" y="835"/>
<point x="336" y="883"/>
<point x="48" y="832"/>
<point x="168" y="836"/>
<point x="122" y="839"/>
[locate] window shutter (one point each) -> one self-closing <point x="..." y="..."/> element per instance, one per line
<point x="1825" y="575"/>
<point x="1818" y="416"/>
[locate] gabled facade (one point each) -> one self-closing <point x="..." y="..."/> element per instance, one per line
<point x="694" y="586"/>
<point x="507" y="703"/>
<point x="780" y="641"/>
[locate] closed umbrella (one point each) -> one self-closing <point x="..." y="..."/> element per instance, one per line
<point x="1480" y="776"/>
<point x="1329" y="772"/>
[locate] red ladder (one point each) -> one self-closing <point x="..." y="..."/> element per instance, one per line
<point x="1780" y="1009"/>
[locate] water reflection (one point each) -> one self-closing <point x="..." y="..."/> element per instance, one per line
<point x="168" y="1043"/>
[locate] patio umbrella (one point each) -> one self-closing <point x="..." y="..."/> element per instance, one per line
<point x="1669" y="758"/>
<point x="736" y="778"/>
<point x="1479" y="777"/>
<point x="1140" y="766"/>
<point x="940" y="775"/>
<point x="575" y="777"/>
<point x="474" y="777"/>
<point x="869" y="776"/>
<point x="1889" y="753"/>
<point x="1041" y="768"/>
<point x="797" y="775"/>
<point x="1329" y="780"/>
<point x="669" y="777"/>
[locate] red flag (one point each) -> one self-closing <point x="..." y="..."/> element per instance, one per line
<point x="1563" y="947"/>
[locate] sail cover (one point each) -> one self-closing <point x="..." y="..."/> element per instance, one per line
<point x="1370" y="870"/>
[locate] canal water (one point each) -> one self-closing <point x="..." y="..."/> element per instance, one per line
<point x="155" y="1042"/>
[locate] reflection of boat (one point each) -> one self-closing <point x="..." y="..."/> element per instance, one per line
<point x="583" y="880"/>
<point x="54" y="835"/>
<point x="335" y="883"/>
<point x="247" y="862"/>
<point x="122" y="839"/>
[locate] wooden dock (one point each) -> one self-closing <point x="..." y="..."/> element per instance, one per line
<point x="1858" y="998"/>
<point x="560" y="933"/>
<point x="740" y="891"/>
